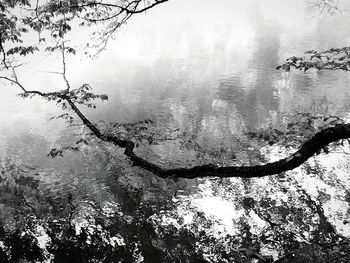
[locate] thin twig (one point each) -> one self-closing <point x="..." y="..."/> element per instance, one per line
<point x="64" y="66"/>
<point x="29" y="205"/>
<point x="14" y="82"/>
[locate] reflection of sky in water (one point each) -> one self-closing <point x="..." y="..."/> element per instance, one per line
<point x="215" y="61"/>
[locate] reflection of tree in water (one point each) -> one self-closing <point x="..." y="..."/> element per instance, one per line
<point x="97" y="207"/>
<point x="264" y="60"/>
<point x="259" y="96"/>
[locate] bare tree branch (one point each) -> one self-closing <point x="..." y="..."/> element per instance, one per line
<point x="307" y="150"/>
<point x="2" y="50"/>
<point x="130" y="8"/>
<point x="14" y="82"/>
<point x="326" y="6"/>
<point x="64" y="66"/>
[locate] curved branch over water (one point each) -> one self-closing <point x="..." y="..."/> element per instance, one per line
<point x="307" y="150"/>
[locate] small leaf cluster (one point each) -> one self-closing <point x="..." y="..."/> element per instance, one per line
<point x="65" y="116"/>
<point x="60" y="151"/>
<point x="22" y="51"/>
<point x="303" y="126"/>
<point x="331" y="59"/>
<point x="59" y="48"/>
<point x="26" y="95"/>
<point x="145" y="131"/>
<point x="82" y="95"/>
<point x="10" y="28"/>
<point x="140" y="130"/>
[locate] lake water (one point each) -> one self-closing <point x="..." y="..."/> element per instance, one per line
<point x="200" y="66"/>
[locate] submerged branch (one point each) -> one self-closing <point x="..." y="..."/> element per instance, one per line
<point x="307" y="150"/>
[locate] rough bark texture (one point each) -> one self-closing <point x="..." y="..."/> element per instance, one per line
<point x="307" y="150"/>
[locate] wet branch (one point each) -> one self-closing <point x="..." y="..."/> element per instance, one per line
<point x="307" y="150"/>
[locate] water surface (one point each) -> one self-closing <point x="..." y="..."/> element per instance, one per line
<point x="205" y="68"/>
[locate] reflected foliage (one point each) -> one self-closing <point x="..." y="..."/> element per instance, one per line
<point x="66" y="227"/>
<point x="331" y="59"/>
<point x="300" y="128"/>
